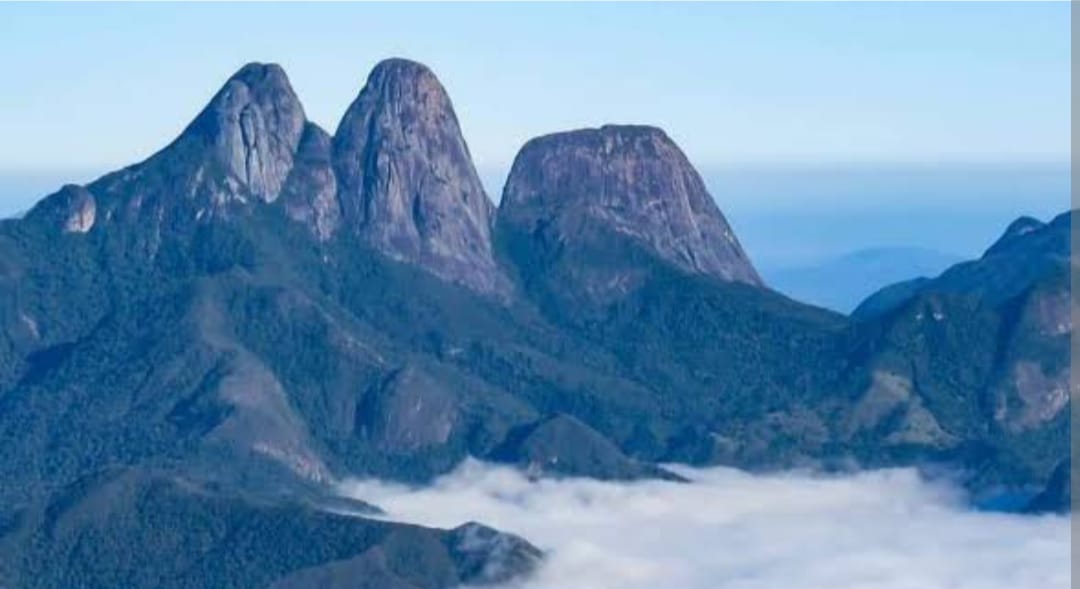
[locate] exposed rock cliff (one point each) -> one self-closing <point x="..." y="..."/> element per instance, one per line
<point x="633" y="181"/>
<point x="240" y="148"/>
<point x="406" y="180"/>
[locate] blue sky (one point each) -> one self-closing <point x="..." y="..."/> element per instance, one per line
<point x="819" y="127"/>
<point x="93" y="85"/>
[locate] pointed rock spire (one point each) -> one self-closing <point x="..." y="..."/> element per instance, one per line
<point x="252" y="128"/>
<point x="239" y="149"/>
<point x="630" y="180"/>
<point x="406" y="181"/>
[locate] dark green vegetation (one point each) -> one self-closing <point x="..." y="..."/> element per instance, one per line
<point x="988" y="342"/>
<point x="1057" y="496"/>
<point x="128" y="528"/>
<point x="230" y="333"/>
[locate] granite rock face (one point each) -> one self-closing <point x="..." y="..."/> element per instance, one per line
<point x="252" y="128"/>
<point x="487" y="556"/>
<point x="406" y="181"/>
<point x="630" y="180"/>
<point x="310" y="192"/>
<point x="238" y="151"/>
<point x="72" y="209"/>
<point x="397" y="173"/>
<point x="240" y="147"/>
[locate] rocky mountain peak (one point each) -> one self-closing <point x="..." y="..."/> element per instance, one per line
<point x="310" y="192"/>
<point x="239" y="149"/>
<point x="252" y="128"/>
<point x="628" y="179"/>
<point x="406" y="181"/>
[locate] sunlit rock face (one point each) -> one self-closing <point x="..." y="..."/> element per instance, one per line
<point x="251" y="128"/>
<point x="72" y="209"/>
<point x="630" y="180"/>
<point x="236" y="153"/>
<point x="82" y="213"/>
<point x="406" y="181"/>
<point x="239" y="148"/>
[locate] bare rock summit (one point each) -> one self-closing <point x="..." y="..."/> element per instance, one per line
<point x="632" y="181"/>
<point x="406" y="181"/>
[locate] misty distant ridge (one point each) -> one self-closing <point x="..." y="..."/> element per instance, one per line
<point x="841" y="283"/>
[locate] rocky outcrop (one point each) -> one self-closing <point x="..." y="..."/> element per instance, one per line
<point x="406" y="181"/>
<point x="632" y="181"/>
<point x="241" y="145"/>
<point x="310" y="193"/>
<point x="251" y="128"/>
<point x="487" y="556"/>
<point x="407" y="412"/>
<point x="72" y="209"/>
<point x="397" y="172"/>
<point x="237" y="152"/>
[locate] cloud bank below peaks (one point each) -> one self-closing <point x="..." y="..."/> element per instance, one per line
<point x="886" y="529"/>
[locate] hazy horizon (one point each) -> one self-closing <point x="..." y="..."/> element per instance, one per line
<point x="820" y="131"/>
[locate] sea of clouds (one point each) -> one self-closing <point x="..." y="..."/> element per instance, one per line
<point x="727" y="529"/>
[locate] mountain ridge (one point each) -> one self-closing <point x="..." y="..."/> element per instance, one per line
<point x="277" y="341"/>
<point x="310" y="191"/>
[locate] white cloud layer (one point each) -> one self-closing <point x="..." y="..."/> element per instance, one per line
<point x="886" y="529"/>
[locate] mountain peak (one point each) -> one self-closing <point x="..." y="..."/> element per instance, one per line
<point x="400" y="68"/>
<point x="632" y="180"/>
<point x="252" y="128"/>
<point x="406" y="181"/>
<point x="239" y="148"/>
<point x="256" y="74"/>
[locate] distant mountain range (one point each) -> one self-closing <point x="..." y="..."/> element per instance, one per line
<point x="194" y="347"/>
<point x="842" y="282"/>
